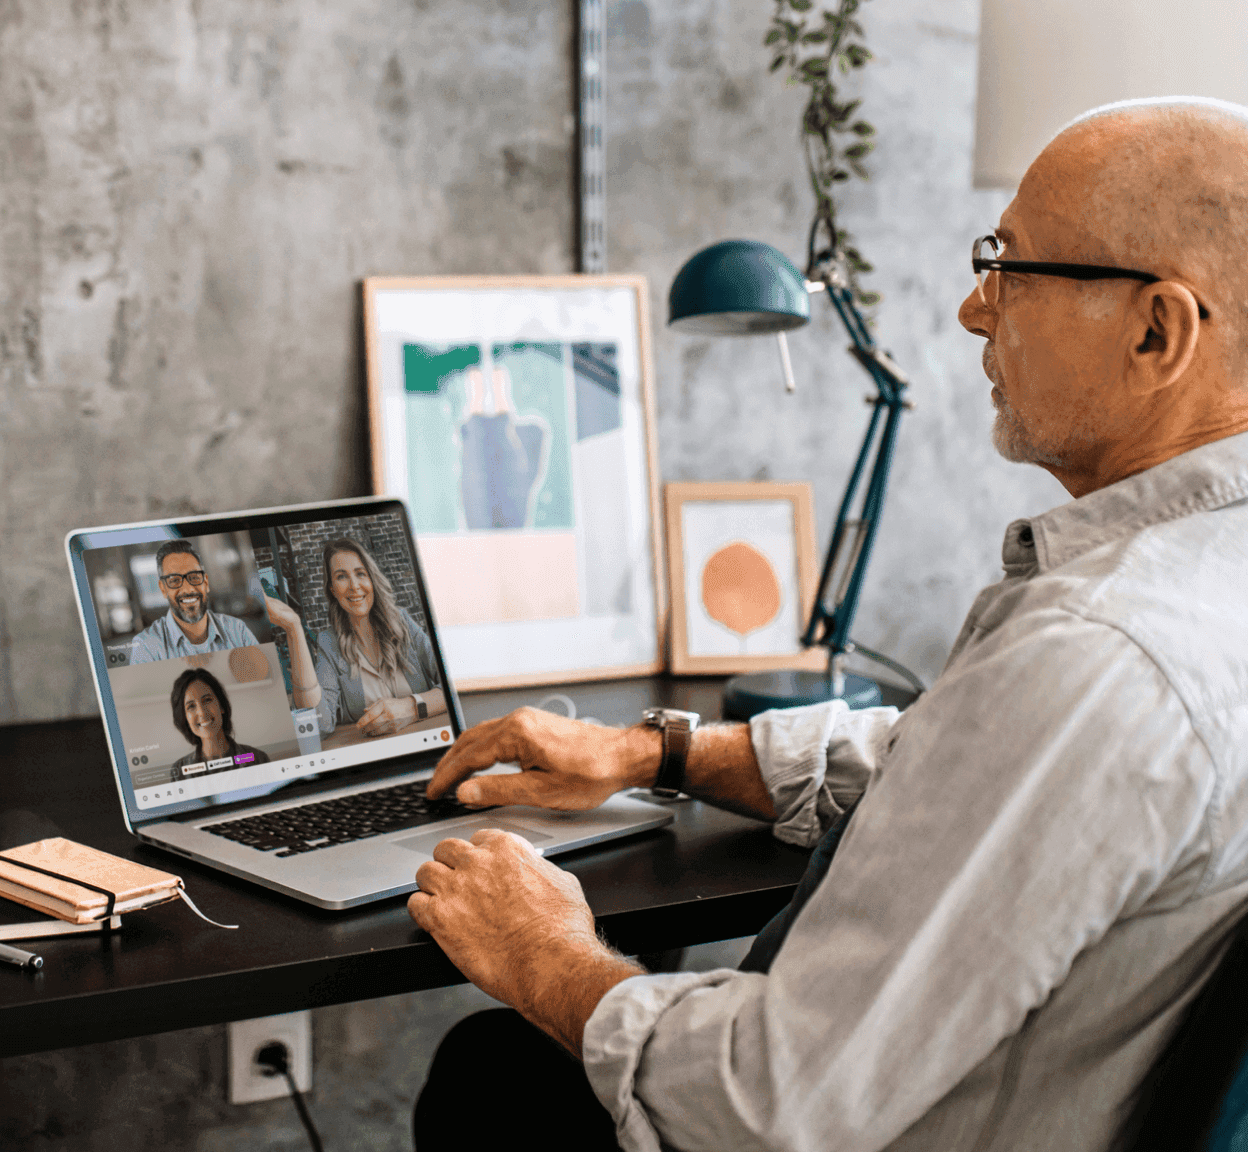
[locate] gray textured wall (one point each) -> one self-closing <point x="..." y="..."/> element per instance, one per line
<point x="189" y="192"/>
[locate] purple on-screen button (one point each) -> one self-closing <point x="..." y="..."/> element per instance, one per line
<point x="244" y="758"/>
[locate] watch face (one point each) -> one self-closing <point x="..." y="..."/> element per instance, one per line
<point x="660" y="717"/>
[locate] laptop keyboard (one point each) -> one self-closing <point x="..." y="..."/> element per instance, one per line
<point x="330" y="822"/>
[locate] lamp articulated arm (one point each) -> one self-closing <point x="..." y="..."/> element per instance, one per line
<point x="852" y="539"/>
<point x="744" y="287"/>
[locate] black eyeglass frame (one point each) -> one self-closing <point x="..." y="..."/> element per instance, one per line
<point x="181" y="576"/>
<point x="1067" y="271"/>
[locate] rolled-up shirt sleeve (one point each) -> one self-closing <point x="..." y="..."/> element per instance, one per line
<point x="816" y="762"/>
<point x="1004" y="832"/>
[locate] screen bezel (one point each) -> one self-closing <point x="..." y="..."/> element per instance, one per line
<point x="82" y="540"/>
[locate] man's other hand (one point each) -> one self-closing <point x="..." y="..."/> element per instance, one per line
<point x="567" y="764"/>
<point x="519" y="928"/>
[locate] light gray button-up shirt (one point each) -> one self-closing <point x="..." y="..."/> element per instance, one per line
<point x="164" y="639"/>
<point x="1050" y="852"/>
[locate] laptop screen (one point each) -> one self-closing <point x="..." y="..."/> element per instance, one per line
<point x="236" y="655"/>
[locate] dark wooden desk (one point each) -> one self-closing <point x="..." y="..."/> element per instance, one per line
<point x="709" y="876"/>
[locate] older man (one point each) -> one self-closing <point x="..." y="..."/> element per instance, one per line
<point x="1052" y="844"/>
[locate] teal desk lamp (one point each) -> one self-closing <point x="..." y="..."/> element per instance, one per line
<point x="744" y="288"/>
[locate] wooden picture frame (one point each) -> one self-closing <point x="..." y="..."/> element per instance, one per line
<point x="515" y="415"/>
<point x="743" y="570"/>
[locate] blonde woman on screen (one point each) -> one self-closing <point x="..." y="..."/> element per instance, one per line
<point x="375" y="666"/>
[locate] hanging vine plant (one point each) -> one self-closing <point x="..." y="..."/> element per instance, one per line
<point x="815" y="43"/>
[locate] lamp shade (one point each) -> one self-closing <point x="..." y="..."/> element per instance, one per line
<point x="1043" y="62"/>
<point x="738" y="288"/>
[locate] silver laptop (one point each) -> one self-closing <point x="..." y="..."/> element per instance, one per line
<point x="275" y="698"/>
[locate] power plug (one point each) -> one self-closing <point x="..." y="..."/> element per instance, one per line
<point x="288" y="1036"/>
<point x="274" y="1058"/>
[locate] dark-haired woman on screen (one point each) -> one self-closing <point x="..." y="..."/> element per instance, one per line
<point x="202" y="713"/>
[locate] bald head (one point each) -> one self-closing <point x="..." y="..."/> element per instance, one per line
<point x="1160" y="186"/>
<point x="1098" y="379"/>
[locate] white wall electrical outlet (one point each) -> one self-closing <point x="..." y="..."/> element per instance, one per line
<point x="248" y="1081"/>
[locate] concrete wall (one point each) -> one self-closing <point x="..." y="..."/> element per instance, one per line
<point x="189" y="192"/>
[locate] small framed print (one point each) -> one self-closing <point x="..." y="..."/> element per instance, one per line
<point x="742" y="570"/>
<point x="515" y="415"/>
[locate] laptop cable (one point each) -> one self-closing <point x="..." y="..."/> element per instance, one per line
<point x="274" y="1058"/>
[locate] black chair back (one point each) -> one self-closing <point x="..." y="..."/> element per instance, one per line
<point x="1180" y="1104"/>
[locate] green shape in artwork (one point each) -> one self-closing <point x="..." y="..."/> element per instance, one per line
<point x="426" y="369"/>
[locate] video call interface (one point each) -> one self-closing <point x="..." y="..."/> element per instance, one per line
<point x="238" y="660"/>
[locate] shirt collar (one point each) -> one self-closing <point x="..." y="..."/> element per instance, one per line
<point x="180" y="638"/>
<point x="1208" y="477"/>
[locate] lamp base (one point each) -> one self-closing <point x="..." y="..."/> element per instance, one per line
<point x="746" y="696"/>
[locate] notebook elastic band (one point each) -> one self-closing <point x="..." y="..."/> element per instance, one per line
<point x="112" y="896"/>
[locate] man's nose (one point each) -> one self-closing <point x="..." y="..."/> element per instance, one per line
<point x="975" y="316"/>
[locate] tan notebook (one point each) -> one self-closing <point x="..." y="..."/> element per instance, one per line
<point x="132" y="885"/>
<point x="16" y="923"/>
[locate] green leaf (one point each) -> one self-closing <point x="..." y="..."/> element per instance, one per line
<point x="843" y="62"/>
<point x="814" y="68"/>
<point x="801" y="5"/>
<point x="776" y="63"/>
<point x="839" y="175"/>
<point x="816" y="124"/>
<point x="814" y="38"/>
<point x="869" y="299"/>
<point x="773" y="36"/>
<point x="860" y="170"/>
<point x="859" y="150"/>
<point x="862" y="128"/>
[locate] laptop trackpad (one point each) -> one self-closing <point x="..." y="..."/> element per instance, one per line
<point x="427" y="841"/>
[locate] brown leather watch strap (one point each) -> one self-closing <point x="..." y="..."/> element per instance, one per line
<point x="677" y="737"/>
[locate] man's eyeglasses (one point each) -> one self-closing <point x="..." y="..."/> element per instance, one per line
<point x="984" y="259"/>
<point x="174" y="580"/>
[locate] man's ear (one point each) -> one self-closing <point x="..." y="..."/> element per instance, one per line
<point x="1164" y="330"/>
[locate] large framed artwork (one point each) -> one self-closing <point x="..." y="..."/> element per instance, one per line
<point x="742" y="570"/>
<point x="516" y="416"/>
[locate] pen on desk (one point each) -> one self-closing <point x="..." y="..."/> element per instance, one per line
<point x="22" y="959"/>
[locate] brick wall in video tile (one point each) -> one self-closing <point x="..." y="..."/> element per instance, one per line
<point x="383" y="535"/>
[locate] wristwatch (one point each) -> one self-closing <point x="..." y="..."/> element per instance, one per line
<point x="678" y="728"/>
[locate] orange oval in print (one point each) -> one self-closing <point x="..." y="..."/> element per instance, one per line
<point x="248" y="664"/>
<point x="740" y="589"/>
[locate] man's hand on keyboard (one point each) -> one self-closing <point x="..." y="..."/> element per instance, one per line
<point x="567" y="764"/>
<point x="519" y="928"/>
